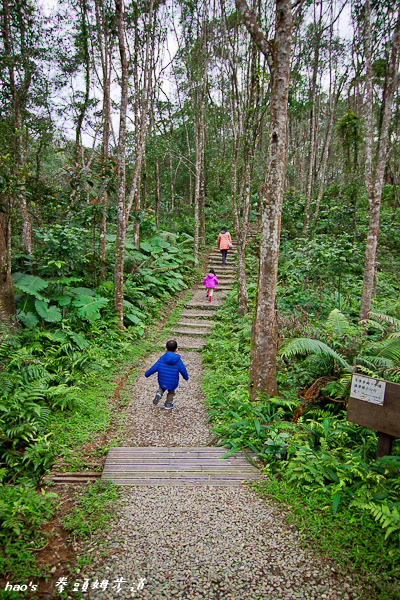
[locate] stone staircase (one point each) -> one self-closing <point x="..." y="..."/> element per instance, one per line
<point x="196" y="320"/>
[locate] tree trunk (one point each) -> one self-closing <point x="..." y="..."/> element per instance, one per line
<point x="375" y="169"/>
<point x="313" y="134"/>
<point x="241" y="244"/>
<point x="264" y="331"/>
<point x="157" y="194"/>
<point x="7" y="302"/>
<point x="121" y="214"/>
<point x="105" y="55"/>
<point x="202" y="188"/>
<point x="197" y="194"/>
<point x="17" y="109"/>
<point x="81" y="115"/>
<point x="325" y="155"/>
<point x="145" y="94"/>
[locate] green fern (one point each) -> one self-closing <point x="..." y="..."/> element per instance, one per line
<point x="337" y="322"/>
<point x="309" y="346"/>
<point x="389" y="518"/>
<point x="386" y="319"/>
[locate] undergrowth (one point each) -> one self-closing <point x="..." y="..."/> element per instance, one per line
<point x="349" y="540"/>
<point x="321" y="464"/>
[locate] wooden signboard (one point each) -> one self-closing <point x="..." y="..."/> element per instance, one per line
<point x="375" y="403"/>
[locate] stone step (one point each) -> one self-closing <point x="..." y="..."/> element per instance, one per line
<point x="190" y="331"/>
<point x="218" y="265"/>
<point x="196" y="323"/>
<point x="218" y="288"/>
<point x="198" y="313"/>
<point x="205" y="305"/>
<point x="229" y="258"/>
<point x="185" y="342"/>
<point x="218" y="255"/>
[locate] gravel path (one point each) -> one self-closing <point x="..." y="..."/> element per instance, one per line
<point x="211" y="543"/>
<point x="185" y="425"/>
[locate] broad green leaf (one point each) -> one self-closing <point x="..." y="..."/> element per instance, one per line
<point x="134" y="319"/>
<point x="332" y="473"/>
<point x="28" y="319"/>
<point x="29" y="284"/>
<point x="146" y="247"/>
<point x="89" y="307"/>
<point x="336" y="501"/>
<point x="81" y="290"/>
<point x="62" y="300"/>
<point x="51" y="314"/>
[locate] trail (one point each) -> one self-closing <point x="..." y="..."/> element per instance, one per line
<point x="200" y="542"/>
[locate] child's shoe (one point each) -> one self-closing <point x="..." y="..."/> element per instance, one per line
<point x="157" y="398"/>
<point x="168" y="405"/>
<point x="210" y="298"/>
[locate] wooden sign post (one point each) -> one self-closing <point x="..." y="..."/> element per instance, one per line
<point x="375" y="403"/>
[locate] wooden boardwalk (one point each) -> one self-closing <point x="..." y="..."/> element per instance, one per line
<point x="175" y="466"/>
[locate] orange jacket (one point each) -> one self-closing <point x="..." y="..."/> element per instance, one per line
<point x="224" y="239"/>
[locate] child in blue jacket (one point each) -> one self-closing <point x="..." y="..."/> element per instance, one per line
<point x="169" y="365"/>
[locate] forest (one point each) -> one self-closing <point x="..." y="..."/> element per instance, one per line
<point x="130" y="133"/>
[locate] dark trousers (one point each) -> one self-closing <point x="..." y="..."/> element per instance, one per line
<point x="170" y="395"/>
<point x="224" y="254"/>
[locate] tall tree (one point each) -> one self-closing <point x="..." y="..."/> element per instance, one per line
<point x="264" y="330"/>
<point x="121" y="214"/>
<point x="375" y="158"/>
<point x="7" y="302"/>
<point x="18" y="62"/>
<point x="105" y="43"/>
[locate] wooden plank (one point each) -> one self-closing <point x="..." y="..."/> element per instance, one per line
<point x="176" y="465"/>
<point x="176" y="450"/>
<point x="192" y="475"/>
<point x="169" y="483"/>
<point x="144" y="460"/>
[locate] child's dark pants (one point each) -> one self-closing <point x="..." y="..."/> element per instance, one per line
<point x="170" y="395"/>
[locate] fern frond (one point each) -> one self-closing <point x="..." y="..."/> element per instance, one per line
<point x="309" y="346"/>
<point x="370" y="323"/>
<point x="386" y="319"/>
<point x="372" y="362"/>
<point x="388" y="348"/>
<point x="337" y="322"/>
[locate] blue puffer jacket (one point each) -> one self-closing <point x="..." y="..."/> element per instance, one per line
<point x="169" y="365"/>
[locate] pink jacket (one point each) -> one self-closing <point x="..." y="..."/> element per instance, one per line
<point x="210" y="280"/>
<point x="224" y="239"/>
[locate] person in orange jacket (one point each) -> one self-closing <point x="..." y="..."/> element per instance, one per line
<point x="224" y="243"/>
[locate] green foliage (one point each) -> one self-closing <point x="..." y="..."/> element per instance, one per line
<point x="322" y="455"/>
<point x="348" y="537"/>
<point x="389" y="518"/>
<point x="22" y="512"/>
<point x="92" y="510"/>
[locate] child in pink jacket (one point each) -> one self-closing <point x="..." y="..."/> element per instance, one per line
<point x="210" y="281"/>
